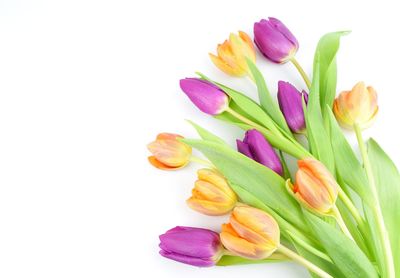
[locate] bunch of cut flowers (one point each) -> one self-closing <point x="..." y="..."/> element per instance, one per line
<point x="337" y="213"/>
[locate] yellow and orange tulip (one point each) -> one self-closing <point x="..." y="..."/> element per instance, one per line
<point x="315" y="187"/>
<point x="168" y="152"/>
<point x="358" y="106"/>
<point x="251" y="233"/>
<point x="231" y="55"/>
<point x="212" y="194"/>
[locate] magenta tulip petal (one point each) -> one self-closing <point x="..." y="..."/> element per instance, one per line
<point x="291" y="105"/>
<point x="274" y="40"/>
<point x="256" y="147"/>
<point x="195" y="246"/>
<point x="187" y="259"/>
<point x="244" y="149"/>
<point x="206" y="96"/>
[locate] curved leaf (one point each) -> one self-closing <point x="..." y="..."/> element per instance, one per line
<point x="346" y="255"/>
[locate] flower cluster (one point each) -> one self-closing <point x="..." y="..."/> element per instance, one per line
<point x="313" y="218"/>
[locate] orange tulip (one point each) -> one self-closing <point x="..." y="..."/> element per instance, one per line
<point x="315" y="186"/>
<point x="168" y="152"/>
<point x="212" y="194"/>
<point x="232" y="55"/>
<point x="358" y="106"/>
<point x="251" y="233"/>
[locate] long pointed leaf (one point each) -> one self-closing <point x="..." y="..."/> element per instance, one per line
<point x="387" y="180"/>
<point x="346" y="255"/>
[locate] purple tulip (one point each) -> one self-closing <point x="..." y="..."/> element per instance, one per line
<point x="291" y="104"/>
<point x="256" y="147"/>
<point x="194" y="246"/>
<point x="274" y="40"/>
<point x="206" y="96"/>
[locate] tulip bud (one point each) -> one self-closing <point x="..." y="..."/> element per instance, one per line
<point x="206" y="96"/>
<point x="291" y="104"/>
<point x="256" y="147"/>
<point x="232" y="55"/>
<point x="315" y="186"/>
<point x="274" y="40"/>
<point x="193" y="246"/>
<point x="251" y="233"/>
<point x="212" y="194"/>
<point x="358" y="106"/>
<point x="168" y="152"/>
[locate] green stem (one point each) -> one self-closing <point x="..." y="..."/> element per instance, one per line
<point x="295" y="257"/>
<point x="201" y="161"/>
<point x="342" y="225"/>
<point x="281" y="142"/>
<point x="301" y="71"/>
<point x="384" y="238"/>
<point x="350" y="206"/>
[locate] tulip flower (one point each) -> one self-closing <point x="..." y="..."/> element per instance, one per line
<point x="232" y="55"/>
<point x="206" y="96"/>
<point x="193" y="246"/>
<point x="274" y="40"/>
<point x="356" y="107"/>
<point x="291" y="104"/>
<point x="256" y="147"/>
<point x="212" y="194"/>
<point x="315" y="186"/>
<point x="251" y="233"/>
<point x="168" y="152"/>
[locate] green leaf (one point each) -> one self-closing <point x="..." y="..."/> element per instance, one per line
<point x="346" y="255"/>
<point x="233" y="260"/>
<point x="255" y="178"/>
<point x="267" y="103"/>
<point x="206" y="135"/>
<point x="328" y="267"/>
<point x="318" y="137"/>
<point x="347" y="164"/>
<point x="325" y="55"/>
<point x="387" y="181"/>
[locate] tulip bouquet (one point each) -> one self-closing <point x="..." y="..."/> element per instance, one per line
<point x="337" y="214"/>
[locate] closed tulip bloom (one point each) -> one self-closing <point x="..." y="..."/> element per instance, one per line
<point x="315" y="186"/>
<point x="168" y="152"/>
<point x="232" y="54"/>
<point x="212" y="194"/>
<point x="358" y="106"/>
<point x="274" y="40"/>
<point x="256" y="147"/>
<point x="251" y="233"/>
<point x="206" y="96"/>
<point x="291" y="104"/>
<point x="193" y="246"/>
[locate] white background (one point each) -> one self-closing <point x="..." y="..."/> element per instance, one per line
<point x="85" y="85"/>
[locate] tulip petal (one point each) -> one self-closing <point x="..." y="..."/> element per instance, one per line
<point x="262" y="151"/>
<point x="206" y="96"/>
<point x="223" y="66"/>
<point x="274" y="40"/>
<point x="201" y="262"/>
<point x="159" y="165"/>
<point x="244" y="149"/>
<point x="242" y="247"/>
<point x="291" y="104"/>
<point x="200" y="243"/>
<point x="257" y="221"/>
<point x="170" y="152"/>
<point x="209" y="207"/>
